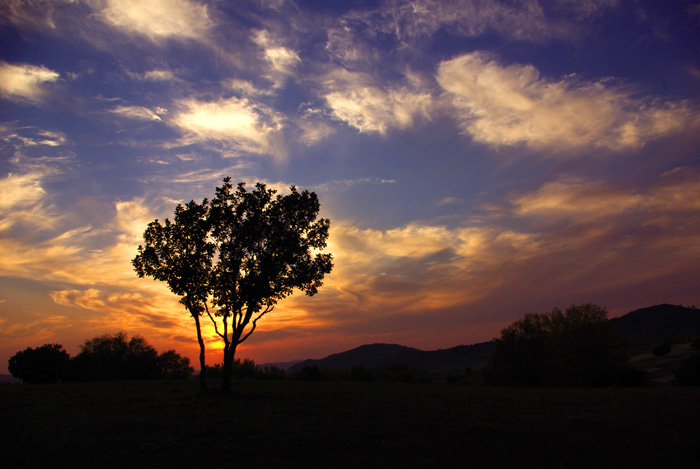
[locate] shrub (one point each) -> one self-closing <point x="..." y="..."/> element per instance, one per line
<point x="360" y="373"/>
<point x="46" y="364"/>
<point x="661" y="349"/>
<point x="688" y="373"/>
<point x="695" y="343"/>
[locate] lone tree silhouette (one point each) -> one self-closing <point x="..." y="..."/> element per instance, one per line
<point x="263" y="246"/>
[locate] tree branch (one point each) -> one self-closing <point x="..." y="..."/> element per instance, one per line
<point x="255" y="322"/>
<point x="213" y="321"/>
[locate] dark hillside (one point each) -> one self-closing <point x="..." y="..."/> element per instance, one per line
<point x="655" y="323"/>
<point x="379" y="356"/>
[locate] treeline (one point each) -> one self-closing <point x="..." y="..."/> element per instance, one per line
<point x="111" y="357"/>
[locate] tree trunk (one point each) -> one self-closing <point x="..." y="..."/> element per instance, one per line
<point x="202" y="363"/>
<point x="229" y="355"/>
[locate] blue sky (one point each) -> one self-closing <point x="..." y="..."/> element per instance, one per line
<point x="478" y="159"/>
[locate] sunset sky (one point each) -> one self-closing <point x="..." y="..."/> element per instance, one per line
<point x="477" y="159"/>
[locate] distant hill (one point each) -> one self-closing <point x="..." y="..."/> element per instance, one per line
<point x="655" y="323"/>
<point x="652" y="325"/>
<point x="378" y="356"/>
<point x="8" y="379"/>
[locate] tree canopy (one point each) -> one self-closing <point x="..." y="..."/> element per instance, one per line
<point x="240" y="253"/>
<point x="46" y="364"/>
<point x="577" y="347"/>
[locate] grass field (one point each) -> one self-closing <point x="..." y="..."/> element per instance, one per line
<point x="334" y="424"/>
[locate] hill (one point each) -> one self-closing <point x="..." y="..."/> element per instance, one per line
<point x="647" y="325"/>
<point x="378" y="356"/>
<point x="656" y="323"/>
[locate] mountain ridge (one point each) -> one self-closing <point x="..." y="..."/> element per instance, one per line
<point x="652" y="325"/>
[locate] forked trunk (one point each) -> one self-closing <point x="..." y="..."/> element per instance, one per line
<point x="229" y="354"/>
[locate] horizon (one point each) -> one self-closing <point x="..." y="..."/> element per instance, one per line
<point x="477" y="161"/>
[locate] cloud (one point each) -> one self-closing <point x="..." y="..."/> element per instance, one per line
<point x="20" y="190"/>
<point x="677" y="192"/>
<point x="25" y="82"/>
<point x="156" y="19"/>
<point x="354" y="99"/>
<point x="280" y="58"/>
<point x="510" y="105"/>
<point x="136" y="112"/>
<point x="407" y="23"/>
<point x="238" y="122"/>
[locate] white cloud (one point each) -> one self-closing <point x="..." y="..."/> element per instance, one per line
<point x="509" y="105"/>
<point x="281" y="59"/>
<point x="136" y="112"/>
<point x="25" y="81"/>
<point x="238" y="122"/>
<point x="20" y="191"/>
<point x="354" y="99"/>
<point x="156" y="19"/>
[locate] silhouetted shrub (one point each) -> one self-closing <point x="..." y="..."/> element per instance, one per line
<point x="244" y="369"/>
<point x="688" y="373"/>
<point x="661" y="349"/>
<point x="308" y="373"/>
<point x="360" y="373"/>
<point x="214" y="371"/>
<point x="578" y="347"/>
<point x="272" y="372"/>
<point x="113" y="357"/>
<point x="46" y="364"/>
<point x="695" y="343"/>
<point x="628" y="376"/>
<point x="172" y="366"/>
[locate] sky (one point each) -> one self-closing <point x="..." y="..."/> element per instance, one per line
<point x="478" y="160"/>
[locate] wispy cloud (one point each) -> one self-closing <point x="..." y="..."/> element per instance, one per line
<point x="512" y="104"/>
<point x="137" y="112"/>
<point x="356" y="99"/>
<point x="155" y="19"/>
<point x="280" y="59"/>
<point x="238" y="122"/>
<point x="25" y="82"/>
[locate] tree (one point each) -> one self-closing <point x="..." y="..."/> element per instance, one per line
<point x="113" y="357"/>
<point x="578" y="347"/>
<point x="180" y="254"/>
<point x="265" y="246"/>
<point x="46" y="364"/>
<point x="172" y="366"/>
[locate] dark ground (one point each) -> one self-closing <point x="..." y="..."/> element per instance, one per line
<point x="335" y="424"/>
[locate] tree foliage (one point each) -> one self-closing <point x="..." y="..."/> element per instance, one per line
<point x="46" y="364"/>
<point x="240" y="253"/>
<point x="180" y="253"/>
<point x="573" y="348"/>
<point x="113" y="357"/>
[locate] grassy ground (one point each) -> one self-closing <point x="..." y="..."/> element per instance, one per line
<point x="332" y="424"/>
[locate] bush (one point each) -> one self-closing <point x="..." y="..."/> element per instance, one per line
<point x="695" y="343"/>
<point x="308" y="373"/>
<point x="661" y="349"/>
<point x="688" y="373"/>
<point x="578" y="347"/>
<point x="172" y="366"/>
<point x="360" y="373"/>
<point x="46" y="364"/>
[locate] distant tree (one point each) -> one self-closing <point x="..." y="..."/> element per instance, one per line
<point x="180" y="253"/>
<point x="578" y="347"/>
<point x="112" y="357"/>
<point x="264" y="246"/>
<point x="172" y="366"/>
<point x="46" y="364"/>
